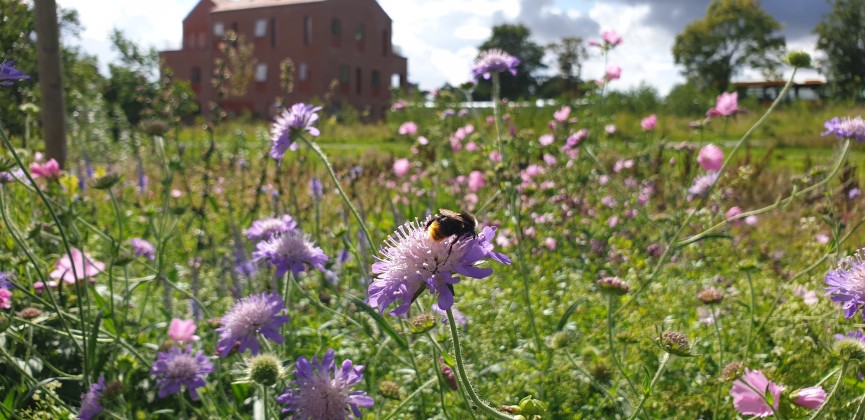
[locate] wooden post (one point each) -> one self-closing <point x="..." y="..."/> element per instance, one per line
<point x="51" y="80"/>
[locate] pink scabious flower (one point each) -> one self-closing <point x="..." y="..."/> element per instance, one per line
<point x="494" y="61"/>
<point x="575" y="139"/>
<point x="562" y="114"/>
<point x="142" y="248"/>
<point x="711" y="158"/>
<point x="290" y="251"/>
<point x="178" y="367"/>
<point x="401" y="167"/>
<point x="48" y="170"/>
<point x="703" y="183"/>
<point x="752" y="220"/>
<point x="546" y="139"/>
<point x="265" y="229"/>
<point x="846" y="284"/>
<point x="249" y="317"/>
<point x="495" y="156"/>
<point x="613" y="72"/>
<point x="733" y="212"/>
<point x="412" y="261"/>
<point x="749" y="394"/>
<point x="845" y="128"/>
<point x="83" y="264"/>
<point x="550" y="243"/>
<point x="476" y="181"/>
<point x="398" y="105"/>
<point x="182" y="330"/>
<point x="610" y="128"/>
<point x="726" y="105"/>
<point x="300" y="117"/>
<point x="811" y="398"/>
<point x="423" y="141"/>
<point x="649" y="123"/>
<point x="611" y="38"/>
<point x="324" y="390"/>
<point x="408" y="129"/>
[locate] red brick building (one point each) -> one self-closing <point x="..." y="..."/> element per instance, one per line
<point x="347" y="41"/>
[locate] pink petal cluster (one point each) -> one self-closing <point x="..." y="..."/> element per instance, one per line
<point x="85" y="267"/>
<point x="408" y="129"/>
<point x="546" y="139"/>
<point x="47" y="170"/>
<point x="182" y="330"/>
<point x="562" y="114"/>
<point x="5" y="298"/>
<point x="811" y="398"/>
<point x="476" y="181"/>
<point x="401" y="167"/>
<point x="726" y="105"/>
<point x="613" y="73"/>
<point x="749" y="394"/>
<point x="649" y="123"/>
<point x="611" y="38"/>
<point x="711" y="158"/>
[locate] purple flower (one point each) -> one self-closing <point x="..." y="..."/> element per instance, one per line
<point x="290" y="251"/>
<point x="13" y="175"/>
<point x="6" y="280"/>
<point x="9" y="74"/>
<point x="90" y="402"/>
<point x="315" y="188"/>
<point x="323" y="390"/>
<point x="853" y="193"/>
<point x="494" y="60"/>
<point x="177" y="367"/>
<point x="749" y="394"/>
<point x="299" y="117"/>
<point x="846" y="284"/>
<point x="411" y="261"/>
<point x="459" y="318"/>
<point x="250" y="316"/>
<point x="265" y="229"/>
<point x="845" y="128"/>
<point x="703" y="183"/>
<point x="142" y="248"/>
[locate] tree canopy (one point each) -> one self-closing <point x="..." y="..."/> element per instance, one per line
<point x="733" y="35"/>
<point x="841" y="35"/>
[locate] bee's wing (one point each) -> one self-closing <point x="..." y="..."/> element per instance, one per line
<point x="451" y="214"/>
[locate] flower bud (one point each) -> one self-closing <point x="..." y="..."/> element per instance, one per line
<point x="265" y="369"/>
<point x="675" y="343"/>
<point x="799" y="59"/>
<point x="422" y="323"/>
<point x="811" y="398"/>
<point x="391" y="390"/>
<point x="29" y="313"/>
<point x="710" y="296"/>
<point x="732" y="371"/>
<point x="613" y="286"/>
<point x="449" y="377"/>
<point x="105" y="182"/>
<point x="531" y="407"/>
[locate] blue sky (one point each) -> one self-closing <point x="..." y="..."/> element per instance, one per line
<point x="440" y="37"/>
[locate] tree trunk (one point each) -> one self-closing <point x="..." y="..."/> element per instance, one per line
<point x="51" y="80"/>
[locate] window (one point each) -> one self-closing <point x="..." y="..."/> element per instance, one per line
<point x="360" y="33"/>
<point x="303" y="72"/>
<point x="343" y="74"/>
<point x="195" y="77"/>
<point x="376" y="79"/>
<point x="260" y="28"/>
<point x="358" y="76"/>
<point x="261" y="72"/>
<point x="307" y="30"/>
<point x="219" y="29"/>
<point x="336" y="27"/>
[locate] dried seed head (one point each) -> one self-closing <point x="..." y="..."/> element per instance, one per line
<point x="710" y="296"/>
<point x="675" y="343"/>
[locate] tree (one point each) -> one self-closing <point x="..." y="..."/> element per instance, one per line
<point x="514" y="40"/>
<point x="570" y="53"/>
<point x="841" y="35"/>
<point x="51" y="81"/>
<point x="733" y="35"/>
<point x="131" y="84"/>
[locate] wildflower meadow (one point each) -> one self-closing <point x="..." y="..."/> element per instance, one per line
<point x="519" y="261"/>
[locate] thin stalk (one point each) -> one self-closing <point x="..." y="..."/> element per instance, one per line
<point x="720" y="359"/>
<point x="613" y="354"/>
<point x="664" y="360"/>
<point x="461" y="370"/>
<point x="315" y="148"/>
<point x="727" y="163"/>
<point x="835" y="387"/>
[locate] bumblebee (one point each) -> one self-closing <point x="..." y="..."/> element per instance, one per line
<point x="450" y="223"/>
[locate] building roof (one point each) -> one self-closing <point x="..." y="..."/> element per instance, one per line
<point x="225" y="5"/>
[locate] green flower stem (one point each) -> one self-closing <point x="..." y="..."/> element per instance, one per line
<point x="78" y="287"/>
<point x="664" y="360"/>
<point x="613" y="354"/>
<point x="727" y="163"/>
<point x="492" y="412"/>
<point x="720" y="359"/>
<point x="315" y="148"/>
<point x="835" y="387"/>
